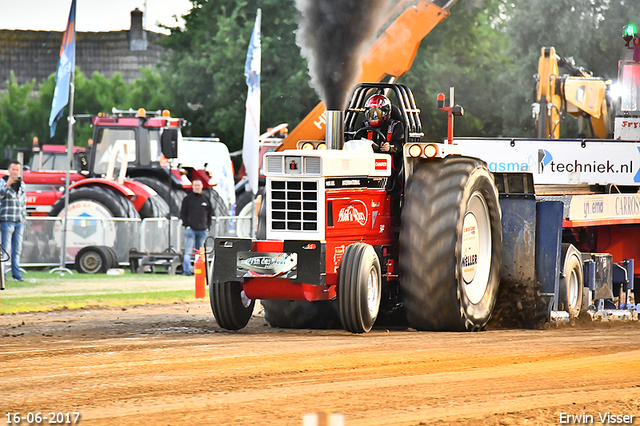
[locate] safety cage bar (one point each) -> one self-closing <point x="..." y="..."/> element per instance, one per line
<point x="407" y="109"/>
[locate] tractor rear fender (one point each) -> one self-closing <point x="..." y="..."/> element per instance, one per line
<point x="142" y="192"/>
<point x="48" y="178"/>
<point x="137" y="192"/>
<point x="181" y="179"/>
<point x="202" y="174"/>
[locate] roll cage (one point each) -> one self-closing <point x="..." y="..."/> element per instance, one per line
<point x="404" y="109"/>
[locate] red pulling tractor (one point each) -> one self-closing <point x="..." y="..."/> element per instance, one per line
<point x="346" y="229"/>
<point x="437" y="241"/>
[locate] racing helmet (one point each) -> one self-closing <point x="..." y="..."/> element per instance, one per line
<point x="377" y="110"/>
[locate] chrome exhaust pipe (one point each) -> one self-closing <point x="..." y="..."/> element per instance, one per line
<point x="334" y="135"/>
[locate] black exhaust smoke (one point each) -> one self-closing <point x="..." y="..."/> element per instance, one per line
<point x="332" y="35"/>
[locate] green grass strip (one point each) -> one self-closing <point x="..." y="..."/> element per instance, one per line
<point x="42" y="291"/>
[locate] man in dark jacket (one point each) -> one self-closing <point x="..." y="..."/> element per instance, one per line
<point x="13" y="211"/>
<point x="196" y="212"/>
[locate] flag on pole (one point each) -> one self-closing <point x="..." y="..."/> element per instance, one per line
<point x="251" y="147"/>
<point x="66" y="66"/>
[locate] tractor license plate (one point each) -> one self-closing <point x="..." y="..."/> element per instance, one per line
<point x="272" y="265"/>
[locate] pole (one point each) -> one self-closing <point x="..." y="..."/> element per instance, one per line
<point x="252" y="222"/>
<point x="68" y="51"/>
<point x="63" y="249"/>
<point x="169" y="248"/>
<point x="450" y="123"/>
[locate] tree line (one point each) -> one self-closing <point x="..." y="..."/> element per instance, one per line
<point x="487" y="49"/>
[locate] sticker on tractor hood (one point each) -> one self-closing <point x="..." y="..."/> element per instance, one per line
<point x="252" y="264"/>
<point x="380" y="164"/>
<point x="355" y="212"/>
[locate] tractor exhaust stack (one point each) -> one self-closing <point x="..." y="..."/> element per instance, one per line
<point x="335" y="129"/>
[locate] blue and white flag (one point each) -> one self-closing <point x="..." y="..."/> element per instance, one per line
<point x="251" y="143"/>
<point x="66" y="66"/>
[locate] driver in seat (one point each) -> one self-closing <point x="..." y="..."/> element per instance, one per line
<point x="378" y="120"/>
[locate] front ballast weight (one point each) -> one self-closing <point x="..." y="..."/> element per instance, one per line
<point x="236" y="265"/>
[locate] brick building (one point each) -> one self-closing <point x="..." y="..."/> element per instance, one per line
<point x="35" y="54"/>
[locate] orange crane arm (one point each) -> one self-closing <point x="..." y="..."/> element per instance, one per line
<point x="392" y="54"/>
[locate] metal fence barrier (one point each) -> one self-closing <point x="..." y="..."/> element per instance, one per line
<point x="42" y="238"/>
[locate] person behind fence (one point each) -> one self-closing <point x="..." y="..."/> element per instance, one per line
<point x="195" y="213"/>
<point x="13" y="211"/>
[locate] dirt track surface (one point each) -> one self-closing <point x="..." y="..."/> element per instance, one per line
<point x="172" y="365"/>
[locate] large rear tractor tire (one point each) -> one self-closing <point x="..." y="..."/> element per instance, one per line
<point x="359" y="288"/>
<point x="117" y="204"/>
<point x="220" y="208"/>
<point x="154" y="207"/>
<point x="244" y="222"/>
<point x="231" y="307"/>
<point x="450" y="245"/>
<point x="571" y="283"/>
<point x="172" y="197"/>
<point x="319" y="315"/>
<point x="242" y="200"/>
<point x="100" y="203"/>
<point x="261" y="231"/>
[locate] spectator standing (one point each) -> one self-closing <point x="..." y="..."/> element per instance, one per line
<point x="13" y="211"/>
<point x="195" y="212"/>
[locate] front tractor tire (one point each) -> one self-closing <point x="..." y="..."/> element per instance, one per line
<point x="359" y="288"/>
<point x="450" y="245"/>
<point x="231" y="307"/>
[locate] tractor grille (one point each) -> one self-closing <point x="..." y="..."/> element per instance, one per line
<point x="294" y="205"/>
<point x="312" y="165"/>
<point x="274" y="164"/>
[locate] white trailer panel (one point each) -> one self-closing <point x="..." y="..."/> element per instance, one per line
<point x="560" y="162"/>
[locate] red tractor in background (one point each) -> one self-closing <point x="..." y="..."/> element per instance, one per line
<point x="54" y="158"/>
<point x="132" y="138"/>
<point x="124" y="174"/>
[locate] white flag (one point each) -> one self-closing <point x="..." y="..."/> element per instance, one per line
<point x="251" y="147"/>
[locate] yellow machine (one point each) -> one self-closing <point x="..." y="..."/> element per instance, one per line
<point x="577" y="93"/>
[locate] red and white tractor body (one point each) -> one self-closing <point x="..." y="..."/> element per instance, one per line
<point x="324" y="200"/>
